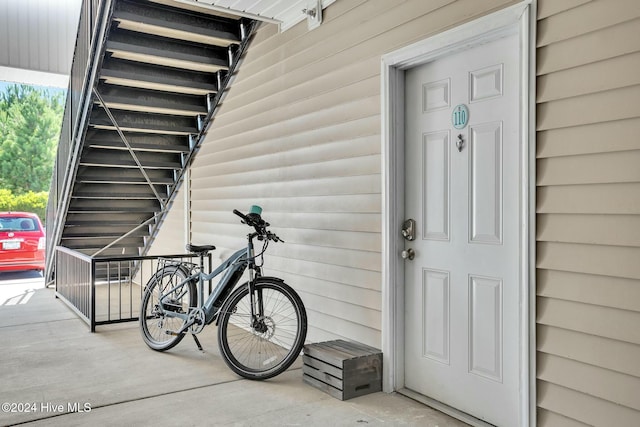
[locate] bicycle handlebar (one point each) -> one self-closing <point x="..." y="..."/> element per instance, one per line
<point x="255" y="220"/>
<point x="241" y="215"/>
<point x="252" y="219"/>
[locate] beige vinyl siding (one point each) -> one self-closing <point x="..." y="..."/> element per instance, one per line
<point x="588" y="213"/>
<point x="299" y="134"/>
<point x="171" y="237"/>
<point x="549" y="8"/>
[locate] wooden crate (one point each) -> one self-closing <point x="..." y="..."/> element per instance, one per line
<point x="343" y="369"/>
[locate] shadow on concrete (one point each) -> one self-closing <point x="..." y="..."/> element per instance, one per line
<point x="11" y="276"/>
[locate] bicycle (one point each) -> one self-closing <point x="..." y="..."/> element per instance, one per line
<point x="262" y="324"/>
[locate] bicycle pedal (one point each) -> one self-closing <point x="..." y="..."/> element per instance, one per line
<point x="182" y="330"/>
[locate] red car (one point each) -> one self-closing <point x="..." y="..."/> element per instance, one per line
<point x="22" y="242"/>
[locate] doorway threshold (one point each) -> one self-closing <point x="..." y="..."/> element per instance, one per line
<point x="446" y="409"/>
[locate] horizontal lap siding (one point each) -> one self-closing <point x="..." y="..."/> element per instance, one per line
<point x="299" y="134"/>
<point x="172" y="235"/>
<point x="588" y="213"/>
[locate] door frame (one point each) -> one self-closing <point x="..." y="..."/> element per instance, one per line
<point x="520" y="19"/>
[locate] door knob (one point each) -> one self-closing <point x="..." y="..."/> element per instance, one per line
<point x="408" y="254"/>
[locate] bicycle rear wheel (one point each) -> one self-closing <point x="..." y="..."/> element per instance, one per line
<point x="157" y="323"/>
<point x="265" y="347"/>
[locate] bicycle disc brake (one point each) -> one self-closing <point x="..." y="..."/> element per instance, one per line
<point x="265" y="328"/>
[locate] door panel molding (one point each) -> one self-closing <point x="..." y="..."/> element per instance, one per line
<point x="435" y="328"/>
<point x="485" y="176"/>
<point x="519" y="19"/>
<point x="485" y="324"/>
<point x="436" y="204"/>
<point x="486" y="83"/>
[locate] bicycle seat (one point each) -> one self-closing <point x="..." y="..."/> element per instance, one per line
<point x="200" y="249"/>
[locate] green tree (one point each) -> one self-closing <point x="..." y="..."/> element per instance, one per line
<point x="30" y="122"/>
<point x="7" y="200"/>
<point x="33" y="202"/>
<point x="26" y="202"/>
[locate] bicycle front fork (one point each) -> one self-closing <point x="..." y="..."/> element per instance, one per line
<point x="255" y="298"/>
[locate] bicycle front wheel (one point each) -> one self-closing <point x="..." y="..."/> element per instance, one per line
<point x="267" y="345"/>
<point x="166" y="295"/>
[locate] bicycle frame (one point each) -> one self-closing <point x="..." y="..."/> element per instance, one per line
<point x="234" y="266"/>
<point x="262" y="323"/>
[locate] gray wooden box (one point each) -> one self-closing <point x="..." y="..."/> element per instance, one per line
<point x="343" y="369"/>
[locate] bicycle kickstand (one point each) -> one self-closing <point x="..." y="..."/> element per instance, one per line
<point x="184" y="329"/>
<point x="195" y="338"/>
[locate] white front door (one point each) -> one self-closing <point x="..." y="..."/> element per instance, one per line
<point x="462" y="188"/>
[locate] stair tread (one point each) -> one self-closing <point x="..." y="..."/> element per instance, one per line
<point x="180" y="31"/>
<point x="119" y="180"/>
<point x="100" y="235"/>
<point x="111" y="209"/>
<point x="163" y="51"/>
<point x="145" y="122"/>
<point x="152" y="100"/>
<point x="131" y="164"/>
<point x="113" y="225"/>
<point x="118" y="196"/>
<point x="167" y="82"/>
<point x="149" y="16"/>
<point x="140" y="147"/>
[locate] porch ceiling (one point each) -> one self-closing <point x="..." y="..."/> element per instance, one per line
<point x="286" y="13"/>
<point x="37" y="39"/>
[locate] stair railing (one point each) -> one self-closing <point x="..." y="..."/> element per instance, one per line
<point x="92" y="29"/>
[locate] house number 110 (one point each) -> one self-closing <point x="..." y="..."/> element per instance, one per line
<point x="460" y="116"/>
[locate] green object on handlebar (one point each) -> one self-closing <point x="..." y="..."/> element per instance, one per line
<point x="255" y="209"/>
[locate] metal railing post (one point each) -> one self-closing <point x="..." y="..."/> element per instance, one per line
<point x="92" y="278"/>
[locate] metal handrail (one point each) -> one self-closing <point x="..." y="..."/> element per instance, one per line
<point x="84" y="283"/>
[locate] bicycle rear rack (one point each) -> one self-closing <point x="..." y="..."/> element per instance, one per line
<point x="189" y="267"/>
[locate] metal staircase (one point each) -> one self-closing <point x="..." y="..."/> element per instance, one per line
<point x="138" y="107"/>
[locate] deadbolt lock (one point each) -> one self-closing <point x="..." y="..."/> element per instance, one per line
<point x="409" y="229"/>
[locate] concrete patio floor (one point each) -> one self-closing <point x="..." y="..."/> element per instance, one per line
<point x="53" y="371"/>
